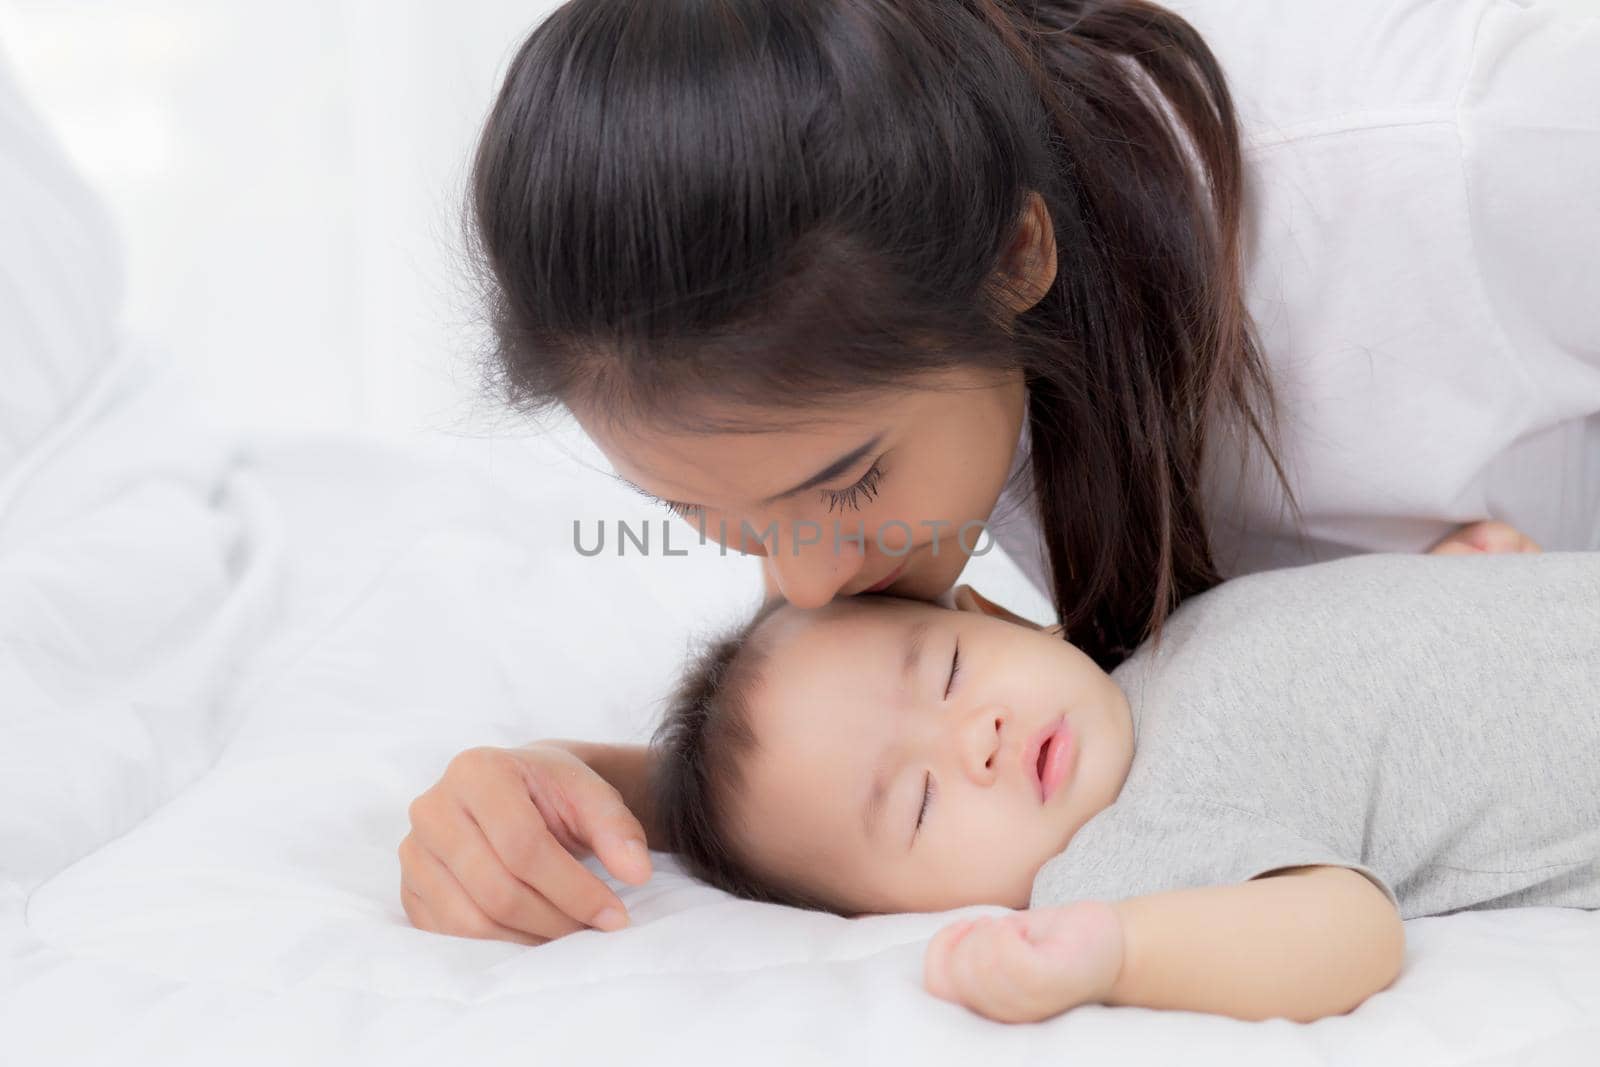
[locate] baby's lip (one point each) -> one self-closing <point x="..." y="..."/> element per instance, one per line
<point x="1030" y="755"/>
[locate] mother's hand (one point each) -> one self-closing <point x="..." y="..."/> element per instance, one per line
<point x="1489" y="538"/>
<point x="491" y="852"/>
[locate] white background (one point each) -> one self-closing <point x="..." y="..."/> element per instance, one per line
<point x="287" y="179"/>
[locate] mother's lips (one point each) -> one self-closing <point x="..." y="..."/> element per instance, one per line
<point x="881" y="585"/>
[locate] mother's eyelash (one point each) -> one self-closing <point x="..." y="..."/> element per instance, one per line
<point x="864" y="491"/>
<point x="683" y="511"/>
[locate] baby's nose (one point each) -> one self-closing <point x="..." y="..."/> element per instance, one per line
<point x="980" y="744"/>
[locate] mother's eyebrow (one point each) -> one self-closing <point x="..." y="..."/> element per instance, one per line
<point x="831" y="471"/>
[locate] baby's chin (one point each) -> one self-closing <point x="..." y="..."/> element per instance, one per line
<point x="1015" y="896"/>
<point x="1020" y="894"/>
<point x="1013" y="892"/>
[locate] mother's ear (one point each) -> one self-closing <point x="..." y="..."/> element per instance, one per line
<point x="969" y="599"/>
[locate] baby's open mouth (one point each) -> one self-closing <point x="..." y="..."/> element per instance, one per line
<point x="1037" y="755"/>
<point x="1052" y="758"/>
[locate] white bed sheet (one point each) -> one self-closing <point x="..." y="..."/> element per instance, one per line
<point x="226" y="668"/>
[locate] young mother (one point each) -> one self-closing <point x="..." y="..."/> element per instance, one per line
<point x="911" y="265"/>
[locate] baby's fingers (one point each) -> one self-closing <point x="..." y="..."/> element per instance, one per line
<point x="999" y="974"/>
<point x="936" y="961"/>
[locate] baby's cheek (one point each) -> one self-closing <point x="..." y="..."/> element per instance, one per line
<point x="994" y="864"/>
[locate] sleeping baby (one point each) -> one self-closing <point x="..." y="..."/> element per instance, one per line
<point x="1235" y="820"/>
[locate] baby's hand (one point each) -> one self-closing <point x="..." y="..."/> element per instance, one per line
<point x="1028" y="965"/>
<point x="1489" y="538"/>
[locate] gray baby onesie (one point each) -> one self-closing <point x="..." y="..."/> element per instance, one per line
<point x="1432" y="722"/>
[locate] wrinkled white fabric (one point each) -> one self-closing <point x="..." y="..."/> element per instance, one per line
<point x="208" y="872"/>
<point x="60" y="282"/>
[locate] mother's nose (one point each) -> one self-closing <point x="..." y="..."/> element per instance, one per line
<point x="978" y="737"/>
<point x="813" y="576"/>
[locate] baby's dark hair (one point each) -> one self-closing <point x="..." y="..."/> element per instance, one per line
<point x="699" y="749"/>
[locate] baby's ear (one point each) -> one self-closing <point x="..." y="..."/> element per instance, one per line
<point x="969" y="599"/>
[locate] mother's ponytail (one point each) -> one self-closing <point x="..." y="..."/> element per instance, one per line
<point x="1145" y="341"/>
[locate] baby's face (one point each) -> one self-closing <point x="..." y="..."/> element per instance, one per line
<point x="915" y="758"/>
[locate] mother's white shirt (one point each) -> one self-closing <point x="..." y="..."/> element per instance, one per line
<point x="1423" y="266"/>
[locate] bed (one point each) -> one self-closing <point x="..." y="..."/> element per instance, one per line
<point x="229" y="664"/>
<point x="229" y="661"/>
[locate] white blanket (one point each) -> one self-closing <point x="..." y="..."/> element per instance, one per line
<point x="226" y="668"/>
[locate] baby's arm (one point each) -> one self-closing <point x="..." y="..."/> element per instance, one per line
<point x="1301" y="943"/>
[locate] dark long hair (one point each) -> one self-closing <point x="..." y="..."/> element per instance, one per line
<point x="781" y="203"/>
